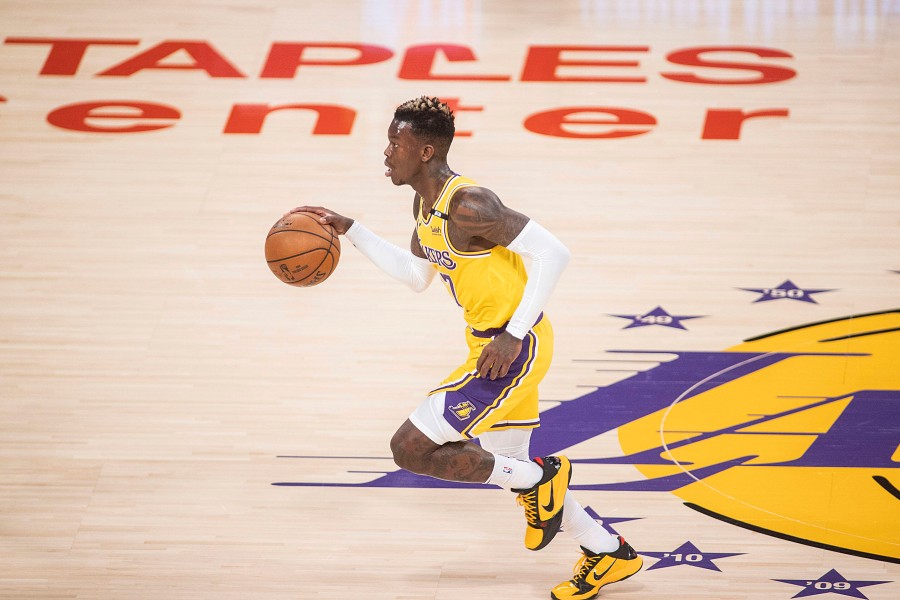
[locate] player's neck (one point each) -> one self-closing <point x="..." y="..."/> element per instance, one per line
<point x="431" y="184"/>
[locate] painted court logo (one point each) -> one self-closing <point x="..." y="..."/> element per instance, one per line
<point x="794" y="434"/>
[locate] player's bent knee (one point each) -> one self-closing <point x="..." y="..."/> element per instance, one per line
<point x="398" y="450"/>
<point x="410" y="448"/>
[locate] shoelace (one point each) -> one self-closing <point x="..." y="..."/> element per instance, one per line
<point x="584" y="566"/>
<point x="529" y="502"/>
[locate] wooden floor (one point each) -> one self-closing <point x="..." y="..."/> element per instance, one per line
<point x="156" y="380"/>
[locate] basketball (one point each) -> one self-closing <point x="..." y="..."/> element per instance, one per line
<point x="301" y="251"/>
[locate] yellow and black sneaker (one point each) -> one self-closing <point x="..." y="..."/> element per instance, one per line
<point x="593" y="571"/>
<point x="544" y="502"/>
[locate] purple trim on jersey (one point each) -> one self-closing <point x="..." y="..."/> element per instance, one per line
<point x="470" y="403"/>
<point x="495" y="331"/>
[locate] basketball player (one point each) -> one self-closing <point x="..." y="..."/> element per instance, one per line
<point x="476" y="244"/>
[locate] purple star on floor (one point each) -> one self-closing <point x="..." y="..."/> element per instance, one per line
<point x="606" y="522"/>
<point x="688" y="554"/>
<point x="786" y="290"/>
<point x="833" y="582"/>
<point x="657" y="316"/>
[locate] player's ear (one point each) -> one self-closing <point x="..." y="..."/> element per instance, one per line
<point x="427" y="152"/>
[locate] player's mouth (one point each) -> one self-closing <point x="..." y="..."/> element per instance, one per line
<point x="389" y="169"/>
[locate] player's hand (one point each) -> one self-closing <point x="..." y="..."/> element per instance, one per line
<point x="340" y="223"/>
<point x="498" y="356"/>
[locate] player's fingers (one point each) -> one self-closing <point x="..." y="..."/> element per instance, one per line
<point x="484" y="365"/>
<point x="485" y="370"/>
<point x="504" y="369"/>
<point x="326" y="216"/>
<point x="335" y="220"/>
<point x="321" y="211"/>
<point x="497" y="369"/>
<point x="495" y="366"/>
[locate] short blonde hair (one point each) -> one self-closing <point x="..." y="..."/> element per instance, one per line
<point x="429" y="117"/>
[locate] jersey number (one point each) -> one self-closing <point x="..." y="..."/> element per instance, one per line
<point x="450" y="287"/>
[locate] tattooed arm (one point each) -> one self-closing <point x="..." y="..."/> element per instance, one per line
<point x="479" y="221"/>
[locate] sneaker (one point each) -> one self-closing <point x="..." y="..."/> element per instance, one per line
<point x="544" y="502"/>
<point x="593" y="571"/>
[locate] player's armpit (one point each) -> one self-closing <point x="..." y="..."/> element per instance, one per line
<point x="415" y="247"/>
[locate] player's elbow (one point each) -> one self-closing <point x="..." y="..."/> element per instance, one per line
<point x="418" y="286"/>
<point x="562" y="255"/>
<point x="420" y="275"/>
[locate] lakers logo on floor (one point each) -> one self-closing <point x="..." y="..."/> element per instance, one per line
<point x="794" y="434"/>
<point x="811" y="440"/>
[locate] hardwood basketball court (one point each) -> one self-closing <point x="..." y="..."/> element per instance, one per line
<point x="177" y="423"/>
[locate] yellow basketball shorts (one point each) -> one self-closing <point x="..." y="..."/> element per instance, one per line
<point x="473" y="405"/>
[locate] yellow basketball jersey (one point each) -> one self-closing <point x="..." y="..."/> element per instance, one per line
<point x="487" y="284"/>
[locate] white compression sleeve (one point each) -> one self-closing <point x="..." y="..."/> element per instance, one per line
<point x="400" y="264"/>
<point x="549" y="258"/>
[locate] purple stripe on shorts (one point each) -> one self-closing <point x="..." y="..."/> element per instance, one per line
<point x="495" y="331"/>
<point x="452" y="383"/>
<point x="468" y="404"/>
<point x="503" y="424"/>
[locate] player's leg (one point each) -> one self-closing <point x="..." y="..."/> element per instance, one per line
<point x="514" y="443"/>
<point x="434" y="440"/>
<point x="589" y="534"/>
<point x="584" y="529"/>
<point x="605" y="559"/>
<point x="428" y="445"/>
<point x="452" y="461"/>
<point x="510" y="450"/>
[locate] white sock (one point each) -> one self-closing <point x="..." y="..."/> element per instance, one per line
<point x="510" y="473"/>
<point x="586" y="531"/>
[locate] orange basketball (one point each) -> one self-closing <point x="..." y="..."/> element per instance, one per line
<point x="301" y="251"/>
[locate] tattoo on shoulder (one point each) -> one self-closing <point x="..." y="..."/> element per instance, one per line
<point x="475" y="206"/>
<point x="480" y="213"/>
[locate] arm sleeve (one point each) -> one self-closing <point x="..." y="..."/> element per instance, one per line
<point x="402" y="265"/>
<point x="549" y="258"/>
